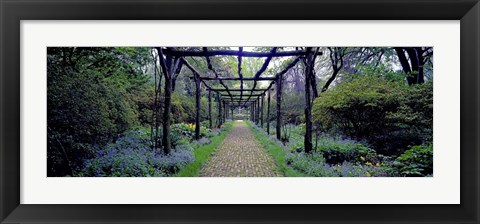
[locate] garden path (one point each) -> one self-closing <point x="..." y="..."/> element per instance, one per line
<point x="240" y="155"/>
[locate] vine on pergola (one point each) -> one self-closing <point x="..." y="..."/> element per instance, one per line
<point x="251" y="98"/>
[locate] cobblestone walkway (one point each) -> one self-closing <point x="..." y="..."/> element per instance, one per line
<point x="240" y="155"/>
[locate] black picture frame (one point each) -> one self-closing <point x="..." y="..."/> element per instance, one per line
<point x="13" y="11"/>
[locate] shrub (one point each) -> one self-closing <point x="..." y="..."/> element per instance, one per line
<point x="417" y="161"/>
<point x="390" y="116"/>
<point x="357" y="107"/>
<point x="336" y="152"/>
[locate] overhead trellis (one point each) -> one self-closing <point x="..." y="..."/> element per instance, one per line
<point x="228" y="99"/>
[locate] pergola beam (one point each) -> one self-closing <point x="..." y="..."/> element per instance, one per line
<point x="238" y="79"/>
<point x="237" y="90"/>
<point x="191" y="53"/>
<point x="231" y="96"/>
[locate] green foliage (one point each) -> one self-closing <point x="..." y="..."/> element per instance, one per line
<point x="90" y="101"/>
<point x="414" y="116"/>
<point x="417" y="161"/>
<point x="186" y="133"/>
<point x="183" y="108"/>
<point x="388" y="115"/>
<point x="337" y="152"/>
<point x="358" y="107"/>
<point x="293" y="108"/>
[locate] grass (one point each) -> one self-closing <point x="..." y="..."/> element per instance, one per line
<point x="203" y="153"/>
<point x="274" y="148"/>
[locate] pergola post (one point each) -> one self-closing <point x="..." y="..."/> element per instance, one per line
<point x="268" y="112"/>
<point x="261" y="110"/>
<point x="251" y="112"/>
<point x="231" y="109"/>
<point x="279" y="101"/>
<point x="225" y="111"/>
<point x="308" y="104"/>
<point x="168" y="65"/>
<point x="210" y="109"/>
<point x="219" y="106"/>
<point x="197" y="108"/>
<point x="257" y="121"/>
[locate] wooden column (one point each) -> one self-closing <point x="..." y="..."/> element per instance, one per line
<point x="308" y="103"/>
<point x="279" y="114"/>
<point x="210" y="109"/>
<point x="268" y="112"/>
<point x="168" y="64"/>
<point x="225" y="111"/>
<point x="219" y="106"/>
<point x="251" y="112"/>
<point x="231" y="109"/>
<point x="197" y="108"/>
<point x="258" y="110"/>
<point x="261" y="110"/>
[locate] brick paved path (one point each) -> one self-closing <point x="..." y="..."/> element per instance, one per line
<point x="240" y="155"/>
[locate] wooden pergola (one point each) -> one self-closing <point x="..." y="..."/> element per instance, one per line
<point x="227" y="98"/>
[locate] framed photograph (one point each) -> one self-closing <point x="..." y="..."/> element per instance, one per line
<point x="206" y="111"/>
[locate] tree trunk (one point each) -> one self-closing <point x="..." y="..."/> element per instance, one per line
<point x="279" y="114"/>
<point x="413" y="66"/>
<point x="314" y="86"/>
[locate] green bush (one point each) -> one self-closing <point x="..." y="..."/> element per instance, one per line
<point x="417" y="161"/>
<point x="336" y="152"/>
<point x="389" y="115"/>
<point x="357" y="108"/>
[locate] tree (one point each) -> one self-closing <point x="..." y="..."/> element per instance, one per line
<point x="413" y="60"/>
<point x="336" y="58"/>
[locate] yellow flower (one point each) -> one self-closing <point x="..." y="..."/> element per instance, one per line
<point x="362" y="158"/>
<point x="368" y="164"/>
<point x="368" y="174"/>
